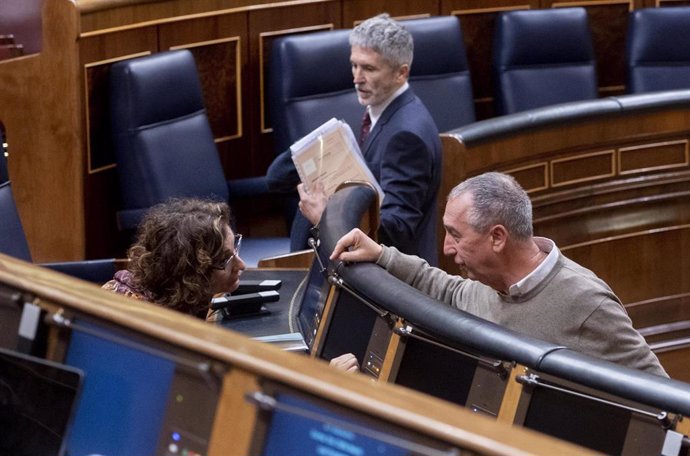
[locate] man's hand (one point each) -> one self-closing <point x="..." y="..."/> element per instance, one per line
<point x="346" y="362"/>
<point x="356" y="247"/>
<point x="313" y="202"/>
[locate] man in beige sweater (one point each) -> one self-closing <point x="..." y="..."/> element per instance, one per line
<point x="513" y="279"/>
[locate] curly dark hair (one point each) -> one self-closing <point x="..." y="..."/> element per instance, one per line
<point x="178" y="242"/>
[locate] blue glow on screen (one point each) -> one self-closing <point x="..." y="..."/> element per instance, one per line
<point x="124" y="398"/>
<point x="313" y="302"/>
<point x="294" y="435"/>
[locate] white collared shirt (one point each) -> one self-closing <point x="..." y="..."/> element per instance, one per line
<point x="376" y="111"/>
<point x="534" y="278"/>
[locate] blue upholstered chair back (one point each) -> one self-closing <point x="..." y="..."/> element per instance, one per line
<point x="658" y="49"/>
<point x="543" y="57"/>
<point x="440" y="75"/>
<point x="163" y="140"/>
<point x="310" y="82"/>
<point x="12" y="238"/>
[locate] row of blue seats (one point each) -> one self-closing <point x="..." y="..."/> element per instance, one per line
<point x="544" y="57"/>
<point x="541" y="57"/>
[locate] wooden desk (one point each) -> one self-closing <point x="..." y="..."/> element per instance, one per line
<point x="247" y="364"/>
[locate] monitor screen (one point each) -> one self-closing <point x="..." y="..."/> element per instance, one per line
<point x="140" y="397"/>
<point x="435" y="370"/>
<point x="601" y="426"/>
<point x="37" y="401"/>
<point x="350" y="328"/>
<point x="301" y="425"/>
<point x="312" y="304"/>
<point x="598" y="426"/>
<point x="124" y="398"/>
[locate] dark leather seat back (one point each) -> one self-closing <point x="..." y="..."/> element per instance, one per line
<point x="12" y="238"/>
<point x="543" y="57"/>
<point x="163" y="139"/>
<point x="658" y="49"/>
<point x="440" y="75"/>
<point x="310" y="81"/>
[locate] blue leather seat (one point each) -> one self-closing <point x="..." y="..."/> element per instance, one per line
<point x="310" y="81"/>
<point x="13" y="243"/>
<point x="658" y="49"/>
<point x="543" y="57"/>
<point x="163" y="140"/>
<point x="440" y="75"/>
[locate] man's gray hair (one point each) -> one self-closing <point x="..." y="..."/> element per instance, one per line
<point x="386" y="37"/>
<point x="497" y="199"/>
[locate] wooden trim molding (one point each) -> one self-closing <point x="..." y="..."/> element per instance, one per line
<point x="624" y="236"/>
<point x="87" y="113"/>
<point x="238" y="77"/>
<point x="496" y="9"/>
<point x="93" y="7"/>
<point x="554" y="164"/>
<point x="593" y="3"/>
<point x="265" y="127"/>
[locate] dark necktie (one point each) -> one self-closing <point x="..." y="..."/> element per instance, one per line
<point x="366" y="126"/>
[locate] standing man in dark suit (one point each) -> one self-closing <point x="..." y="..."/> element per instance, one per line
<point x="399" y="141"/>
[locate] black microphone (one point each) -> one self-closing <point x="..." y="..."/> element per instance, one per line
<point x="243" y="303"/>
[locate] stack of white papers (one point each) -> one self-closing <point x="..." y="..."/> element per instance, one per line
<point x="330" y="155"/>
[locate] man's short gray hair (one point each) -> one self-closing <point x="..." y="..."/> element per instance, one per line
<point x="386" y="37"/>
<point x="497" y="199"/>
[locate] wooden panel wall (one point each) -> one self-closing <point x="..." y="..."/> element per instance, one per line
<point x="59" y="129"/>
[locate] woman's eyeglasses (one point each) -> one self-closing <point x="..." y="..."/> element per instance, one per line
<point x="238" y="243"/>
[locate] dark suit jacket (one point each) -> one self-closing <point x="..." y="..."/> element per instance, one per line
<point x="403" y="151"/>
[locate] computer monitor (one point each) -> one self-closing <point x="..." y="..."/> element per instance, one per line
<point x="312" y="304"/>
<point x="297" y="424"/>
<point x="349" y="327"/>
<point x="595" y="424"/>
<point x="140" y="396"/>
<point x="426" y="364"/>
<point x="37" y="401"/>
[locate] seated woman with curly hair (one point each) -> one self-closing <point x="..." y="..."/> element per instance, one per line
<point x="184" y="254"/>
